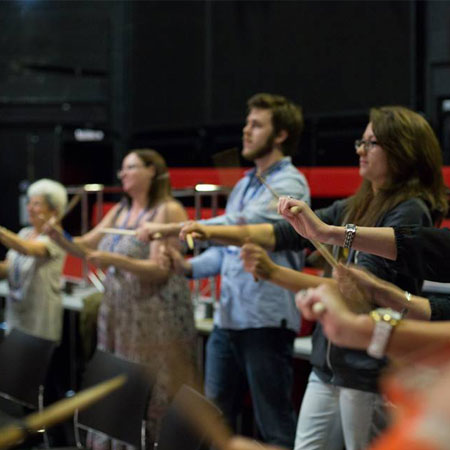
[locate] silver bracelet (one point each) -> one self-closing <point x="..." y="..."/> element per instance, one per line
<point x="405" y="310"/>
<point x="350" y="231"/>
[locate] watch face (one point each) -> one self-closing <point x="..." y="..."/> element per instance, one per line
<point x="389" y="312"/>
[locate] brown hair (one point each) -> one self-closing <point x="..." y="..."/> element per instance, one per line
<point x="415" y="167"/>
<point x="160" y="189"/>
<point x="286" y="115"/>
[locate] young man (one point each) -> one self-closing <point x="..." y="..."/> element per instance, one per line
<point x="256" y="322"/>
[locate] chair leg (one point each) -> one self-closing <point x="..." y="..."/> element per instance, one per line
<point x="144" y="435"/>
<point x="41" y="407"/>
<point x="76" y="430"/>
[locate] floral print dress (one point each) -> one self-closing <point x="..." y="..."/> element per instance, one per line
<point x="147" y="323"/>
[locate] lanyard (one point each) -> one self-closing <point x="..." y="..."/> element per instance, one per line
<point x="116" y="237"/>
<point x="242" y="202"/>
<point x="273" y="169"/>
<point x="17" y="263"/>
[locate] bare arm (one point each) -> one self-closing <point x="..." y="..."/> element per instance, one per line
<point x="3" y="269"/>
<point x="30" y="247"/>
<point x="157" y="230"/>
<point x="257" y="261"/>
<point x="55" y="232"/>
<point x="294" y="280"/>
<point x="150" y="270"/>
<point x="408" y="336"/>
<point x="261" y="234"/>
<point x="377" y="241"/>
<point x="92" y="238"/>
<point x="381" y="292"/>
<point x="80" y="245"/>
<point x="146" y="269"/>
<point x="347" y="329"/>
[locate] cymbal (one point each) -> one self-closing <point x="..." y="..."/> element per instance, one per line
<point x="11" y="434"/>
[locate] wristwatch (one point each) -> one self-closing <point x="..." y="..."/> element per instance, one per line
<point x="385" y="320"/>
<point x="350" y="231"/>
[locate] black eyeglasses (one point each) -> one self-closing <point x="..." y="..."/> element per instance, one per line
<point x="128" y="168"/>
<point x="368" y="145"/>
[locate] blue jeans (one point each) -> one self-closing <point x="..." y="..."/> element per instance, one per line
<point x="331" y="416"/>
<point x="259" y="359"/>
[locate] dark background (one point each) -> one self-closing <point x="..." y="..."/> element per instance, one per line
<point x="175" y="76"/>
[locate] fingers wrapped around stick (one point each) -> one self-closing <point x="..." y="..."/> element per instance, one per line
<point x="257" y="261"/>
<point x="303" y="219"/>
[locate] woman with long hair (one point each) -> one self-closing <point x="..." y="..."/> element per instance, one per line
<point x="146" y="313"/>
<point x="400" y="162"/>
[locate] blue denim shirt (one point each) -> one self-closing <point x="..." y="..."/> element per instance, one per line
<point x="245" y="303"/>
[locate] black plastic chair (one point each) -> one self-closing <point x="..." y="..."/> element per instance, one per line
<point x="24" y="362"/>
<point x="177" y="431"/>
<point x="122" y="414"/>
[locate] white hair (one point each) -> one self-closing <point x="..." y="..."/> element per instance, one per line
<point x="55" y="194"/>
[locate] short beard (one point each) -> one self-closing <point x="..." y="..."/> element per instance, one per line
<point x="262" y="151"/>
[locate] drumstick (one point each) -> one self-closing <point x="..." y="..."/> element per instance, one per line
<point x="73" y="202"/>
<point x="318" y="308"/>
<point x="122" y="231"/>
<point x="58" y="411"/>
<point x="268" y="186"/>
<point x="189" y="239"/>
<point x="329" y="258"/>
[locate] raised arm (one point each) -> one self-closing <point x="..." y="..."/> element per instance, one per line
<point x="56" y="233"/>
<point x="347" y="329"/>
<point x="261" y="234"/>
<point x="382" y="293"/>
<point x="257" y="261"/>
<point x="377" y="241"/>
<point x="31" y="247"/>
<point x="80" y="246"/>
<point x="150" y="231"/>
<point x="150" y="270"/>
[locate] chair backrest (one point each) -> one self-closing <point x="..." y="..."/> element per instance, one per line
<point x="24" y="362"/>
<point x="177" y="430"/>
<point x="121" y="414"/>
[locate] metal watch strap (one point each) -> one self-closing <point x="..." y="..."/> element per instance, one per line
<point x="350" y="231"/>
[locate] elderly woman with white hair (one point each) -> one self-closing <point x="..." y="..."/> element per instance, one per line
<point x="33" y="265"/>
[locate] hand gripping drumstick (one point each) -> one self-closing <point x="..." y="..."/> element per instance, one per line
<point x="189" y="239"/>
<point x="329" y="258"/>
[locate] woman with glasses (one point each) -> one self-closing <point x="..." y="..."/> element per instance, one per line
<point x="146" y="313"/>
<point x="400" y="162"/>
